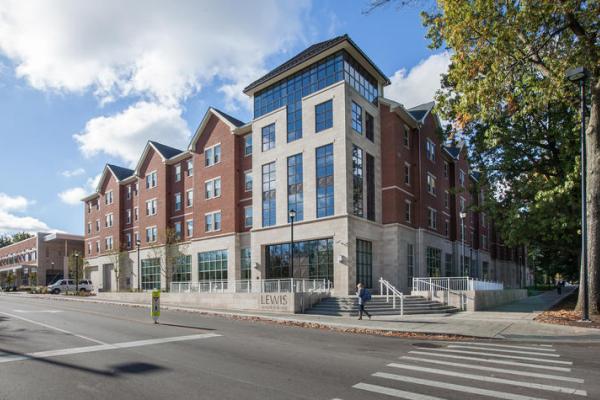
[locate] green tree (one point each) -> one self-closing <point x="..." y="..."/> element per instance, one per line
<point x="5" y="240"/>
<point x="17" y="237"/>
<point x="506" y="90"/>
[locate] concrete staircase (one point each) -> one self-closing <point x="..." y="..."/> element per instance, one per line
<point x="348" y="306"/>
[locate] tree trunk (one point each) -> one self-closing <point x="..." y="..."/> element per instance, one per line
<point x="593" y="202"/>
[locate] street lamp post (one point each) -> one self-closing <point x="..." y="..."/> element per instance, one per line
<point x="462" y="216"/>
<point x="76" y="272"/>
<point x="579" y="74"/>
<point x="137" y="243"/>
<point x="292" y="215"/>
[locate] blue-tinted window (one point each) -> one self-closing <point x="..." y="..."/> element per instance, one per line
<point x="357" y="181"/>
<point x="357" y="118"/>
<point x="369" y="127"/>
<point x="323" y="116"/>
<point x="268" y="194"/>
<point x="325" y="180"/>
<point x="295" y="186"/>
<point x="268" y="137"/>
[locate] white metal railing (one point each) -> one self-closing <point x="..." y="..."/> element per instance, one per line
<point x="253" y="286"/>
<point x="456" y="283"/>
<point x="390" y="290"/>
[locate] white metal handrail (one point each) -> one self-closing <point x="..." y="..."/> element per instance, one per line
<point x="391" y="290"/>
<point x="253" y="286"/>
<point x="458" y="283"/>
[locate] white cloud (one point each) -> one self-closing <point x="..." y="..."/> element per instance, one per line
<point x="10" y="222"/>
<point x="159" y="50"/>
<point x="420" y="84"/>
<point x="73" y="196"/>
<point x="124" y="135"/>
<point x="73" y="172"/>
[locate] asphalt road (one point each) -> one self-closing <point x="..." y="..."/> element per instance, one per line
<point x="53" y="349"/>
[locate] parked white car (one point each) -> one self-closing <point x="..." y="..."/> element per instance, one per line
<point x="68" y="285"/>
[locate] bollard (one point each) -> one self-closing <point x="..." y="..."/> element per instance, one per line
<point x="155" y="310"/>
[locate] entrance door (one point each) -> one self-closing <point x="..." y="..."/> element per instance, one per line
<point x="107" y="277"/>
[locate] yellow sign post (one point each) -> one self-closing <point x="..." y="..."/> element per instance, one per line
<point x="155" y="311"/>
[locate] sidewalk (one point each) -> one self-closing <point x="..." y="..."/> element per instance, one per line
<point x="510" y="322"/>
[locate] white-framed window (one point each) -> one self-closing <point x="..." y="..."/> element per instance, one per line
<point x="190" y="167"/>
<point x="89" y="227"/>
<point x="248" y="217"/>
<point x="97" y="246"/>
<point x="212" y="155"/>
<point x="447" y="228"/>
<point x="108" y="243"/>
<point x="151" y="207"/>
<point x="128" y="240"/>
<point x="177" y="228"/>
<point x="212" y="221"/>
<point x="89" y="207"/>
<point x="212" y="188"/>
<point x="446" y="199"/>
<point x="430" y="149"/>
<point x="177" y="201"/>
<point x="407" y="174"/>
<point x="178" y="172"/>
<point x="89" y="246"/>
<point x="97" y="225"/>
<point x="248" y="144"/>
<point x="189" y="226"/>
<point x="129" y="190"/>
<point x="432" y="218"/>
<point x="407" y="210"/>
<point x="151" y="234"/>
<point x="431" y="184"/>
<point x="484" y="243"/>
<point x="151" y="180"/>
<point x="248" y="181"/>
<point x="128" y="216"/>
<point x="108" y="197"/>
<point x="446" y="169"/>
<point x="189" y="198"/>
<point x="137" y="188"/>
<point x="483" y="219"/>
<point x="461" y="178"/>
<point x="137" y="237"/>
<point x="406" y="137"/>
<point x="108" y="220"/>
<point x="136" y="213"/>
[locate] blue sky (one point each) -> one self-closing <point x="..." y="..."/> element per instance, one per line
<point x="83" y="84"/>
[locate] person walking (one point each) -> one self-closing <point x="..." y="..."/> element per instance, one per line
<point x="363" y="297"/>
<point x="559" y="286"/>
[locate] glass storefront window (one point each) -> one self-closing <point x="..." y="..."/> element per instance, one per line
<point x="313" y="259"/>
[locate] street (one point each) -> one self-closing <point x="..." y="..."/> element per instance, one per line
<point x="67" y="350"/>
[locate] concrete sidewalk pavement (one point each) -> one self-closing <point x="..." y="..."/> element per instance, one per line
<point x="514" y="321"/>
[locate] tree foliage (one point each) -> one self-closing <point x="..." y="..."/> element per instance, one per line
<point x="6" y="239"/>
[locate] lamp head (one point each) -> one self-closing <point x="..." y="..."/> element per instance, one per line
<point x="576" y="74"/>
<point x="292" y="214"/>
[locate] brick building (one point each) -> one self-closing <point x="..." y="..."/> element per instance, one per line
<point x="45" y="254"/>
<point x="375" y="191"/>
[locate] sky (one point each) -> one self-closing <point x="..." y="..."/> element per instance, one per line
<point x="85" y="83"/>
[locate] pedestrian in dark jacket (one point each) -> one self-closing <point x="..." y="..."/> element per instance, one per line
<point x="363" y="296"/>
<point x="559" y="287"/>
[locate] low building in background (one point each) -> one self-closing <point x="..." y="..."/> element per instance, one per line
<point x="374" y="190"/>
<point x="39" y="260"/>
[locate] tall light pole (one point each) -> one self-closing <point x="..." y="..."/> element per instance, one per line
<point x="578" y="74"/>
<point x="292" y="215"/>
<point x="462" y="216"/>
<point x="76" y="272"/>
<point x="138" y="243"/>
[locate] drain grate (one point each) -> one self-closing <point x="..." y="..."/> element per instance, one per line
<point x="427" y="345"/>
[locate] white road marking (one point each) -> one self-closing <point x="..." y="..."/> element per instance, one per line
<point x="489" y="360"/>
<point x="550" y="388"/>
<point x="452" y="386"/>
<point x="459" y="346"/>
<point x="38" y="311"/>
<point x="394" y="392"/>
<point x="53" y="327"/>
<point x="545" y="345"/>
<point x="501" y="370"/>
<point x="479" y="353"/>
<point x="104" y="347"/>
<point x="508" y="346"/>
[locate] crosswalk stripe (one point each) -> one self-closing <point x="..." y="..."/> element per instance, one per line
<point x="508" y="346"/>
<point x="488" y="360"/>
<point x="501" y="370"/>
<point x="550" y="388"/>
<point x="545" y="345"/>
<point x="452" y="386"/>
<point x="480" y="353"/>
<point x="394" y="392"/>
<point x="459" y="346"/>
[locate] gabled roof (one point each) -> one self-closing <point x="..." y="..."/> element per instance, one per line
<point x="164" y="150"/>
<point x="421" y="111"/>
<point x="453" y="151"/>
<point x="230" y="121"/>
<point x="309" y="53"/>
<point x="120" y="172"/>
<point x="399" y="109"/>
<point x="476" y="175"/>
